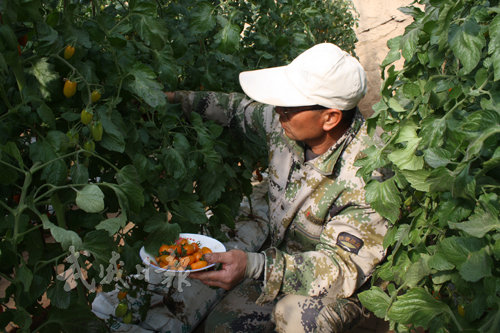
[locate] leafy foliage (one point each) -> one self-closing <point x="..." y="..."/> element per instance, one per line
<point x="134" y="158"/>
<point x="442" y="123"/>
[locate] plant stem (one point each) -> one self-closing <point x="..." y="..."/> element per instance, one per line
<point x="59" y="210"/>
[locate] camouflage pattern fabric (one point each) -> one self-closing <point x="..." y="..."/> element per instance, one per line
<point x="238" y="312"/>
<point x="326" y="240"/>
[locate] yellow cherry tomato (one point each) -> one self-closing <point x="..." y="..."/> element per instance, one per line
<point x="69" y="88"/>
<point x="68" y="52"/>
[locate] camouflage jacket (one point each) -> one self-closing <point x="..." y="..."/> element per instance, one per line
<point x="326" y="240"/>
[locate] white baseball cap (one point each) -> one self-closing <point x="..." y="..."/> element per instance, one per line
<point x="322" y="75"/>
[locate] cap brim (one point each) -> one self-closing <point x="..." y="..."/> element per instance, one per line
<point x="271" y="86"/>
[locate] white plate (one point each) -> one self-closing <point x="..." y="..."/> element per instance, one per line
<point x="202" y="240"/>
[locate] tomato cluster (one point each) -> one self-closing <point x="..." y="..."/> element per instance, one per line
<point x="182" y="255"/>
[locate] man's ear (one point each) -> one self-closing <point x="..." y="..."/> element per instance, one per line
<point x="333" y="117"/>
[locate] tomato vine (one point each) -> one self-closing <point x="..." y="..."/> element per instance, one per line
<point x="129" y="170"/>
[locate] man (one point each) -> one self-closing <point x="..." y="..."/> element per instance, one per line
<point x="325" y="239"/>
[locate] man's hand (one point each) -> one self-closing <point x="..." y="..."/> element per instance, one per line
<point x="234" y="264"/>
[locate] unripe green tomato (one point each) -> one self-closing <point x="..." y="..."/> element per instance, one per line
<point x="96" y="130"/>
<point x="89" y="146"/>
<point x="95" y="96"/>
<point x="121" y="309"/>
<point x="86" y="117"/>
<point x="73" y="136"/>
<point x="128" y="318"/>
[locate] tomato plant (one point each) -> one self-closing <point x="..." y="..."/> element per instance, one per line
<point x="440" y="114"/>
<point x="152" y="169"/>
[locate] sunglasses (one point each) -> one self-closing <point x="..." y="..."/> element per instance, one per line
<point x="286" y="110"/>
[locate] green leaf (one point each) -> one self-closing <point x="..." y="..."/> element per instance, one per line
<point x="164" y="233"/>
<point x="417" y="271"/>
<point x="146" y="85"/>
<point x="101" y="245"/>
<point x="416" y="307"/>
<point x="467" y="43"/>
<point x="494" y="45"/>
<point x="406" y="158"/>
<point x="90" y="198"/>
<point x="417" y="179"/>
<point x="56" y="173"/>
<point x="59" y="297"/>
<point x="67" y="238"/>
<point x="44" y="80"/>
<point x="11" y="149"/>
<point x="79" y="173"/>
<point x="409" y="41"/>
<point x="384" y="198"/>
<point x="166" y="67"/>
<point x="211" y="186"/>
<point x="193" y="211"/>
<point x="457" y="249"/>
<point x="174" y="163"/>
<point x="229" y="38"/>
<point x="202" y="18"/>
<point x="439" y="262"/>
<point x="22" y="318"/>
<point x="134" y="195"/>
<point x="374" y="159"/>
<point x="394" y="104"/>
<point x="478" y="265"/>
<point x="436" y="157"/>
<point x="128" y="174"/>
<point x="440" y="180"/>
<point x="375" y="300"/>
<point x="464" y="185"/>
<point x="394" y="54"/>
<point x="432" y="132"/>
<point x="452" y="209"/>
<point x="153" y="31"/>
<point x="223" y="213"/>
<point x="112" y="138"/>
<point x="112" y="225"/>
<point x="47" y="115"/>
<point x="77" y="318"/>
<point x="25" y="276"/>
<point x="480" y="223"/>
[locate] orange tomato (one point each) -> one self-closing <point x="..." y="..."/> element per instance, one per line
<point x="173" y="264"/>
<point x="205" y="250"/>
<point x="187" y="260"/>
<point x="184" y="241"/>
<point x="122" y="295"/>
<point x="176" y="248"/>
<point x="164" y="248"/>
<point x="197" y="255"/>
<point x="165" y="258"/>
<point x="196" y="247"/>
<point x="198" y="264"/>
<point x="189" y="248"/>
